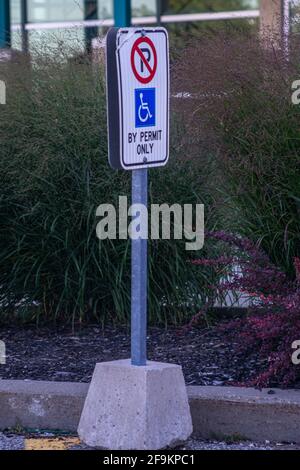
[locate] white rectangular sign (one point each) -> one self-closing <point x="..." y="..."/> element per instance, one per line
<point x="142" y="67"/>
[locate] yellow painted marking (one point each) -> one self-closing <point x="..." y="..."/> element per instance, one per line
<point x="54" y="443"/>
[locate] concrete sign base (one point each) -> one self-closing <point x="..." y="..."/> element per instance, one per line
<point x="135" y="407"/>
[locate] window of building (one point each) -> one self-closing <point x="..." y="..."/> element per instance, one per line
<point x="206" y="6"/>
<point x="295" y="15"/>
<point x="55" y="10"/>
<point x="47" y="11"/>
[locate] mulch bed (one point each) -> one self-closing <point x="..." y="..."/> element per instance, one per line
<point x="205" y="354"/>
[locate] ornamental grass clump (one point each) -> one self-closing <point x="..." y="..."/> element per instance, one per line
<point x="54" y="174"/>
<point x="244" y="124"/>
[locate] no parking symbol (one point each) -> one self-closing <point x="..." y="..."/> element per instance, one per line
<point x="144" y="66"/>
<point x="144" y="60"/>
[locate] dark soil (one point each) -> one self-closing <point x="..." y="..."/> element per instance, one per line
<point x="205" y="354"/>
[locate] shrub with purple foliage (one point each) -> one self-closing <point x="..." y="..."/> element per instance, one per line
<point x="273" y="322"/>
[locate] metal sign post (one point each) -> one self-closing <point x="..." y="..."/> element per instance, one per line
<point x="140" y="409"/>
<point x="138" y="122"/>
<point x="139" y="277"/>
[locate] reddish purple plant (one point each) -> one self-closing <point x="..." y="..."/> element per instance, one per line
<point x="273" y="322"/>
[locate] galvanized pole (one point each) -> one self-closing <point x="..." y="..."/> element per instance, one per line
<point x="139" y="274"/>
<point x="5" y="39"/>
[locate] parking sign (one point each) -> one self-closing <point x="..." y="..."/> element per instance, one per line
<point x="138" y="97"/>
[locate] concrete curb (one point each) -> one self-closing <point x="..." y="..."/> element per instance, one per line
<point x="217" y="412"/>
<point x="247" y="413"/>
<point x="43" y="405"/>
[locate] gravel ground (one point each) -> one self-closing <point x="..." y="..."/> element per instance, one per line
<point x="195" y="444"/>
<point x="11" y="442"/>
<point x="47" y="354"/>
<point x="17" y="442"/>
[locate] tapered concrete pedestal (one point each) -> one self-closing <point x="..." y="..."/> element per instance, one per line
<point x="131" y="407"/>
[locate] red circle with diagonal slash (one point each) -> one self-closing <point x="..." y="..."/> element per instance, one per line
<point x="136" y="50"/>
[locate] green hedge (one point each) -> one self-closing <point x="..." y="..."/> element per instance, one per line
<point x="243" y="113"/>
<point x="54" y="174"/>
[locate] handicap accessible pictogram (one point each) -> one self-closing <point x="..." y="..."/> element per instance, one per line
<point x="144" y="107"/>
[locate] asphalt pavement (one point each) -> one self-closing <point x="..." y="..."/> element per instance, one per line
<point x="49" y="441"/>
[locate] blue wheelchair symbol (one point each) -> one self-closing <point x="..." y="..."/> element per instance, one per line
<point x="144" y="107"/>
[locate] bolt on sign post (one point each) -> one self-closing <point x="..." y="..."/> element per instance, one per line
<point x="138" y="126"/>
